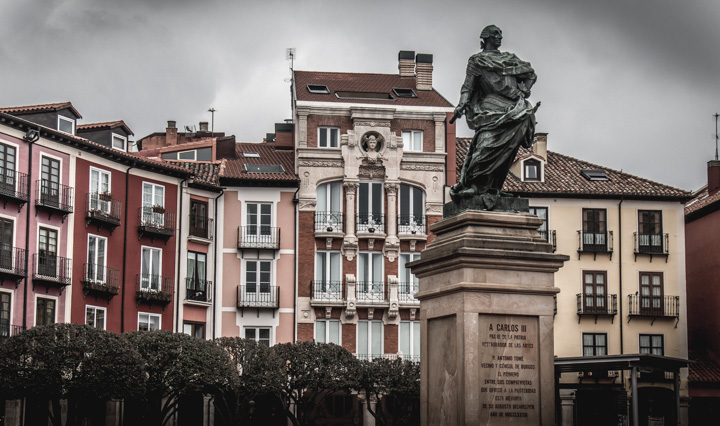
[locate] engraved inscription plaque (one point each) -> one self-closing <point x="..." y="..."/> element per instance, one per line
<point x="509" y="374"/>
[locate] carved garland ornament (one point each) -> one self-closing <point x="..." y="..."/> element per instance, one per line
<point x="320" y="163"/>
<point x="421" y="167"/>
<point x="373" y="123"/>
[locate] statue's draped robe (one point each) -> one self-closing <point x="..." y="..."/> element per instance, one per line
<point x="503" y="120"/>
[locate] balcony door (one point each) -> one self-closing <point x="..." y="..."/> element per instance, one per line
<point x="412" y="210"/>
<point x="6" y="243"/>
<point x="370" y="276"/>
<point x="150" y="269"/>
<point x="258" y="222"/>
<point x="50" y="182"/>
<point x="408" y="281"/>
<point x="47" y="253"/>
<point x="594" y="230"/>
<point x="196" y="270"/>
<point x="99" y="184"/>
<point x="7" y="168"/>
<point x="4" y="314"/>
<point x="328" y="280"/>
<point x="650" y="231"/>
<point x="97" y="249"/>
<point x="257" y="281"/>
<point x="651" y="294"/>
<point x="198" y="218"/>
<point x="370" y="207"/>
<point x="328" y="211"/>
<point x="595" y="289"/>
<point x="153" y="204"/>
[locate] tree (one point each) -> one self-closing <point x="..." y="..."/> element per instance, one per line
<point x="394" y="385"/>
<point x="81" y="364"/>
<point x="312" y="372"/>
<point x="178" y="365"/>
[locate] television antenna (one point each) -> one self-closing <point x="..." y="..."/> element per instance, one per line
<point x="290" y="55"/>
<point x="716" y="135"/>
<point x="212" y="112"/>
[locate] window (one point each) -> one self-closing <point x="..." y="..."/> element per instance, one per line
<point x="328" y="275"/>
<point x="149" y="322"/>
<point x="327" y="331"/>
<point x="594" y="230"/>
<point x="595" y="294"/>
<point x="328" y="137"/>
<point x="196" y="284"/>
<point x="66" y="125"/>
<point x="150" y="269"/>
<point x="258" y="334"/>
<point x="50" y="182"/>
<point x="4" y="314"/>
<point x="412" y="140"/>
<point x="531" y="168"/>
<point x="594" y="344"/>
<point x="96" y="260"/>
<point x="259" y="218"/>
<point x="404" y="92"/>
<point x="195" y="329"/>
<point x="44" y="311"/>
<point x="264" y="168"/>
<point x="410" y="339"/>
<point x="594" y="174"/>
<point x="542" y="213"/>
<point x="408" y="281"/>
<point x="257" y="276"/>
<point x="119" y="142"/>
<point x="370" y="276"/>
<point x="7" y="252"/>
<point x="99" y="184"/>
<point x="370" y="207"/>
<point x="412" y="210"/>
<point x="650" y="234"/>
<point x="651" y="293"/>
<point x="7" y="168"/>
<point x="153" y="204"/>
<point x="200" y="154"/>
<point x="369" y="339"/>
<point x="318" y="89"/>
<point x="652" y="344"/>
<point x="95" y="317"/>
<point x="328" y="210"/>
<point x="199" y="219"/>
<point x="47" y="252"/>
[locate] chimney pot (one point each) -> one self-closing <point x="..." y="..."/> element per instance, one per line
<point x="540" y="146"/>
<point x="171" y="124"/>
<point x="203" y="126"/>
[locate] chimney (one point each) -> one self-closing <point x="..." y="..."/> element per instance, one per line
<point x="284" y="135"/>
<point x="424" y="69"/>
<point x="713" y="177"/>
<point x="406" y="63"/>
<point x="171" y="136"/>
<point x="204" y="126"/>
<point x="539" y="148"/>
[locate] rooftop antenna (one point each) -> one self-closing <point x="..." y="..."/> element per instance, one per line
<point x="212" y="112"/>
<point x="291" y="56"/>
<point x="716" y="135"/>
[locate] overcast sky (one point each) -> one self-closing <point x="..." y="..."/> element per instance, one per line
<point x="627" y="84"/>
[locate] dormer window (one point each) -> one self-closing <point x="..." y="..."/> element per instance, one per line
<point x="319" y="89"/>
<point x="66" y="125"/>
<point x="119" y="142"/>
<point x="532" y="170"/>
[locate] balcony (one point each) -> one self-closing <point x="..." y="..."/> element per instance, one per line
<point x="329" y="224"/>
<point x="54" y="198"/>
<point x="406" y="292"/>
<point x="371" y="224"/>
<point x="258" y="296"/>
<point x="550" y="237"/>
<point x="651" y="244"/>
<point x="201" y="227"/>
<point x="12" y="263"/>
<point x="597" y="305"/>
<point x="327" y="291"/>
<point x="258" y="237"/>
<point x="198" y="290"/>
<point x="9" y="330"/>
<point x="654" y="307"/>
<point x="153" y="290"/>
<point x="413" y="226"/>
<point x="370" y="292"/>
<point x="51" y="271"/>
<point x="370" y="357"/>
<point x="102" y="210"/>
<point x="100" y="281"/>
<point x="595" y="242"/>
<point x="14" y="187"/>
<point x="155" y="222"/>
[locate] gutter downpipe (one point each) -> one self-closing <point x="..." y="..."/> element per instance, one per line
<point x="620" y="279"/>
<point x="179" y="237"/>
<point x="124" y="261"/>
<point x="214" y="305"/>
<point x="295" y="271"/>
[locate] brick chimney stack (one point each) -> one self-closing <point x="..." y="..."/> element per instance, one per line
<point x="540" y="146"/>
<point x="406" y="63"/>
<point x="171" y="135"/>
<point x="713" y="176"/>
<point x="204" y="126"/>
<point x="424" y="69"/>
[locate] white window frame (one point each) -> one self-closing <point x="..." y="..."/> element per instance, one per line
<point x="257" y="333"/>
<point x="10" y="312"/>
<point x="369" y="324"/>
<point x="95" y="310"/>
<point x="412" y="140"/>
<point x="149" y="286"/>
<point x="124" y="140"/>
<point x="407" y="280"/>
<point x="330" y="204"/>
<point x="148" y="316"/>
<point x="258" y="263"/>
<point x="375" y="287"/>
<point x="98" y="238"/>
<point x="69" y="120"/>
<point x="323" y="288"/>
<point x="13" y="175"/>
<point x="325" y="336"/>
<point x="328" y="130"/>
<point x="95" y="202"/>
<point x="258" y="224"/>
<point x="540" y="170"/>
<point x="153" y="194"/>
<point x="412" y="326"/>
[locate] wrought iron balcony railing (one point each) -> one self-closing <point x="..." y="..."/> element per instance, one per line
<point x="550" y="237"/>
<point x="153" y="289"/>
<point x="371" y="223"/>
<point x="258" y="296"/>
<point x="156" y="222"/>
<point x="14" y="186"/>
<point x="201" y="227"/>
<point x="258" y="237"/>
<point x="102" y="209"/>
<point x="9" y="330"/>
<point x="327" y="291"/>
<point x="651" y="243"/>
<point x="100" y="280"/>
<point x="370" y="357"/>
<point x="595" y="242"/>
<point x="329" y="222"/>
<point x="370" y="291"/>
<point x="198" y="290"/>
<point x="12" y="262"/>
<point x="654" y="306"/>
<point x="54" y="196"/>
<point x="406" y="292"/>
<point x="52" y="269"/>
<point x="592" y="304"/>
<point x="411" y="224"/>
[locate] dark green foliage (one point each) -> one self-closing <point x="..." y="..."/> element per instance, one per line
<point x="395" y="385"/>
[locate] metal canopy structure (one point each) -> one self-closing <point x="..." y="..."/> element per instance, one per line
<point x="634" y="363"/>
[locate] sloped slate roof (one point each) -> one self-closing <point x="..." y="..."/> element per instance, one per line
<point x="704" y="369"/>
<point x="234" y="168"/>
<point x="104" y="125"/>
<point x="205" y="173"/>
<point x="30" y="109"/>
<point x="362" y="82"/>
<point x="562" y="178"/>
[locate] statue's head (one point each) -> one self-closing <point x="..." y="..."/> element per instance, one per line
<point x="491" y="35"/>
<point x="371" y="143"/>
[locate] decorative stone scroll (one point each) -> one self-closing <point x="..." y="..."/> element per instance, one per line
<point x="421" y="167"/>
<point x="320" y="163"/>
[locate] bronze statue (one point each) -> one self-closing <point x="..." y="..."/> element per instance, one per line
<point x="493" y="100"/>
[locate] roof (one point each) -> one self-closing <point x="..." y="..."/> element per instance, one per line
<point x="234" y="168"/>
<point x="104" y="126"/>
<point x="704" y="369"/>
<point x="702" y="204"/>
<point x="33" y="109"/>
<point x="619" y="362"/>
<point x="562" y="178"/>
<point x="205" y="173"/>
<point x="361" y="82"/>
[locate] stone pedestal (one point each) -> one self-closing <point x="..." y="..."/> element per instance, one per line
<point x="487" y="305"/>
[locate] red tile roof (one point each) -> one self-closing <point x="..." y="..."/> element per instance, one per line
<point x="360" y="82"/>
<point x="105" y="125"/>
<point x="701" y="201"/>
<point x="562" y="178"/>
<point x="705" y="369"/>
<point x="234" y="168"/>
<point x="205" y="173"/>
<point x="41" y="108"/>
